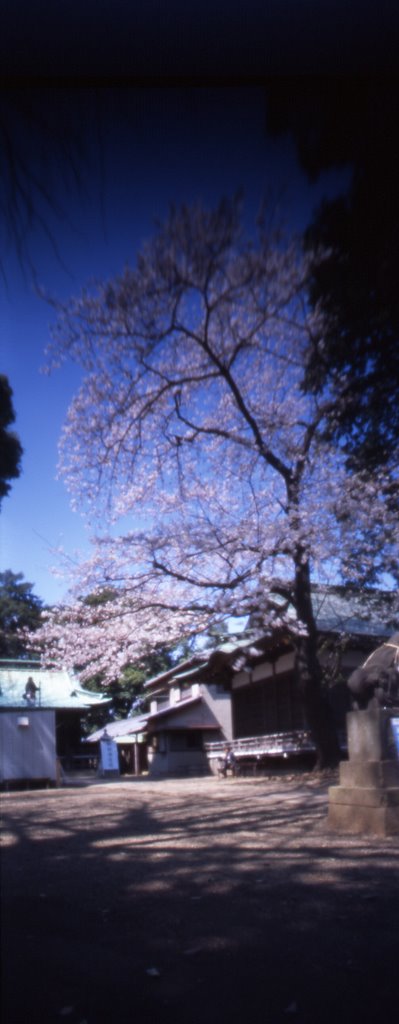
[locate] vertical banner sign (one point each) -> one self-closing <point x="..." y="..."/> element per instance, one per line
<point x="109" y="757"/>
<point x="395" y="730"/>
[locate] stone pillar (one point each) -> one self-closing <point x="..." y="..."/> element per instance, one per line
<point x="367" y="797"/>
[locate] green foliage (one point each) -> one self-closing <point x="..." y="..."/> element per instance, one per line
<point x="127" y="692"/>
<point x="19" y="609"/>
<point x="354" y="243"/>
<point x="10" y="446"/>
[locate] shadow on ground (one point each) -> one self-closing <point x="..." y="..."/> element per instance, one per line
<point x="194" y="902"/>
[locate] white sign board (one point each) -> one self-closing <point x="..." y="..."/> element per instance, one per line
<point x="109" y="756"/>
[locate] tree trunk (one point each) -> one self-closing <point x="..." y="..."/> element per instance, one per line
<point x="309" y="676"/>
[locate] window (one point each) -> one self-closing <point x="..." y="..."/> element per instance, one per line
<point x="185" y="740"/>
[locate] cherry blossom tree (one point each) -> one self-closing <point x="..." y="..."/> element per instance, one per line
<point x="198" y="457"/>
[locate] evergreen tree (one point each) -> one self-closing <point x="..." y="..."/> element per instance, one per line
<point x="10" y="446"/>
<point x="19" y="609"/>
<point x="354" y="242"/>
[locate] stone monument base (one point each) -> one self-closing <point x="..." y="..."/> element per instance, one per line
<point x="367" y="797"/>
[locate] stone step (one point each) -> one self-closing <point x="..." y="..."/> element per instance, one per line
<point x="369" y="773"/>
<point x="365" y="796"/>
<point x="357" y="819"/>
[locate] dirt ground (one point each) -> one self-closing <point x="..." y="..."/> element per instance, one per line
<point x="195" y="901"/>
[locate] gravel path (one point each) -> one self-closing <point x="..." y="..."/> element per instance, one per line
<point x="195" y="901"/>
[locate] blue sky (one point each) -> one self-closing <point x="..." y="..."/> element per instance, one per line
<point x="177" y="145"/>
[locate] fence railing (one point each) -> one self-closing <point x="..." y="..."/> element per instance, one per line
<point x="278" y="743"/>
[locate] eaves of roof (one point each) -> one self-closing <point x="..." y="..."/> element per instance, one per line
<point x="52" y="688"/>
<point x="358" y="614"/>
<point x="173" y="708"/>
<point x="123" y="727"/>
<point x="353" y="627"/>
<point x="170" y="673"/>
<point x="193" y="713"/>
<point x="192" y="673"/>
<point x="141" y="723"/>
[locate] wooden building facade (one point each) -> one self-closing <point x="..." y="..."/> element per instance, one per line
<point x="245" y="692"/>
<point x="40" y="722"/>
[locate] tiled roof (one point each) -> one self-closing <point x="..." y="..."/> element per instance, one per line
<point x="123" y="727"/>
<point x="361" y="614"/>
<point x="337" y="610"/>
<point x="190" y="664"/>
<point x="49" y="688"/>
<point x="202" y="718"/>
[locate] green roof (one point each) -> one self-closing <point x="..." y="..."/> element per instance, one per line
<point x="25" y="684"/>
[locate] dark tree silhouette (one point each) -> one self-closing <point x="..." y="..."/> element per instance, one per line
<point x="19" y="609"/>
<point x="10" y="447"/>
<point x="48" y="138"/>
<point x="355" y="241"/>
